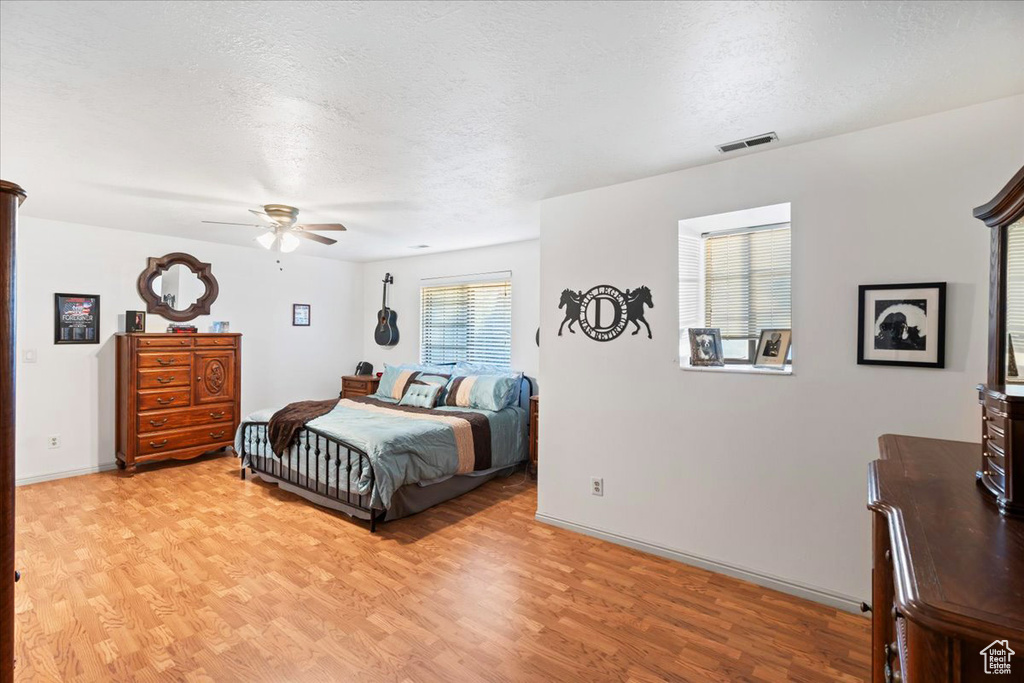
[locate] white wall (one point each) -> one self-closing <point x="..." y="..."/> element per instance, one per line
<point x="522" y="258"/>
<point x="70" y="389"/>
<point x="759" y="472"/>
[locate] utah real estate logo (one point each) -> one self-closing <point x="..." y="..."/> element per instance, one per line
<point x="997" y="657"/>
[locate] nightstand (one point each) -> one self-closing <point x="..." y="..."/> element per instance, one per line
<point x="358" y="385"/>
<point x="534" y="420"/>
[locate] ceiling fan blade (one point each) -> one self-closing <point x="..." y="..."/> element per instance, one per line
<point x="248" y="225"/>
<point x="322" y="226"/>
<point x="314" y="237"/>
<point x="263" y="217"/>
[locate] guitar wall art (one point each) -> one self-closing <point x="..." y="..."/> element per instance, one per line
<point x="603" y="312"/>
<point x="386" y="332"/>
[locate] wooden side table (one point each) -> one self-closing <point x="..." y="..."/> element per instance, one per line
<point x="358" y="385"/>
<point x="534" y="421"/>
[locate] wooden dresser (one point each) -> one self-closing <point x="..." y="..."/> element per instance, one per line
<point x="359" y="385"/>
<point x="948" y="569"/>
<point x="177" y="395"/>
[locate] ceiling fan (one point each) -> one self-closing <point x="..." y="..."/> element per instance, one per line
<point x="283" y="234"/>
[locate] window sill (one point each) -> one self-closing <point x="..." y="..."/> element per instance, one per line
<point x="740" y="370"/>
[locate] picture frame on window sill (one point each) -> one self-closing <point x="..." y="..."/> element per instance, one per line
<point x="773" y="348"/>
<point x="301" y="315"/>
<point x="902" y="325"/>
<point x="706" y="347"/>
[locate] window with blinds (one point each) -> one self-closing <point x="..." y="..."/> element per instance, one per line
<point x="466" y="322"/>
<point x="746" y="285"/>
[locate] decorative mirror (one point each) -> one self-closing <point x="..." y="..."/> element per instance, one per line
<point x="178" y="287"/>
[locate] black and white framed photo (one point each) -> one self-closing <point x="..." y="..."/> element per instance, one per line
<point x="902" y="325"/>
<point x="706" y="347"/>
<point x="300" y="315"/>
<point x="773" y="348"/>
<point x="76" y="319"/>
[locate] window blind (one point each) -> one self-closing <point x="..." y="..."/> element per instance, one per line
<point x="466" y="322"/>
<point x="689" y="281"/>
<point x="747" y="281"/>
<point x="1015" y="293"/>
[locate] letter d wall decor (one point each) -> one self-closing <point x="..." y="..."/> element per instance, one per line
<point x="603" y="312"/>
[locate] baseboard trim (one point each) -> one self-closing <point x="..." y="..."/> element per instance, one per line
<point x="813" y="593"/>
<point x="105" y="467"/>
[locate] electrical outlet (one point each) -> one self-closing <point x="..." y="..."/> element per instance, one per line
<point x="53" y="441"/>
<point x="28" y="356"/>
<point x="597" y="486"/>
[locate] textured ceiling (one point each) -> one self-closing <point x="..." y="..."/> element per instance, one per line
<point x="444" y="123"/>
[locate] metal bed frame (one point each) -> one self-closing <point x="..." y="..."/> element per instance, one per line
<point x="315" y="446"/>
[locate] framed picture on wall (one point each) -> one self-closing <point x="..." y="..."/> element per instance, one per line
<point x="903" y="325"/>
<point x="76" y="319"/>
<point x="300" y="315"/>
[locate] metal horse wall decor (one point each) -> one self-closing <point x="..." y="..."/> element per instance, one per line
<point x="603" y="312"/>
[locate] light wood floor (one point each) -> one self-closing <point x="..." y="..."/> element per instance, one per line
<point x="187" y="573"/>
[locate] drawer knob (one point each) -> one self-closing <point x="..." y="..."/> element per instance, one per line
<point x="217" y="416"/>
<point x="165" y="380"/>
<point x="166" y="401"/>
<point x="158" y="423"/>
<point x="154" y="444"/>
<point x="165" y="361"/>
<point x="218" y="435"/>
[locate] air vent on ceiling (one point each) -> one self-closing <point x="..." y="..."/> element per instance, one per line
<point x="749" y="142"/>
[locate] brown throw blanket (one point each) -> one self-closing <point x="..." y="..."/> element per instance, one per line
<point x="285" y="423"/>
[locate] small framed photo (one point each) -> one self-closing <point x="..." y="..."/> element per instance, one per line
<point x="903" y="325"/>
<point x="300" y="315"/>
<point x="706" y="347"/>
<point x="76" y="319"/>
<point x="134" y="321"/>
<point x="773" y="348"/>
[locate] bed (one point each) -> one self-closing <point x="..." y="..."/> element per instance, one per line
<point x="375" y="460"/>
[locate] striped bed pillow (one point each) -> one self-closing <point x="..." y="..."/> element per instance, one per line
<point x="487" y="392"/>
<point x="396" y="381"/>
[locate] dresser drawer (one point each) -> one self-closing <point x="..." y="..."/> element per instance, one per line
<point x="211" y="435"/>
<point x="164" y="342"/>
<point x="171" y="398"/>
<point x="163" y="420"/>
<point x="224" y="342"/>
<point x="171" y="377"/>
<point x="165" y="359"/>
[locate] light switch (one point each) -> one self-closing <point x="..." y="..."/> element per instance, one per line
<point x="28" y="356"/>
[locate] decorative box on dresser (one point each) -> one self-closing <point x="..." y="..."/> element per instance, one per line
<point x="948" y="569"/>
<point x="178" y="395"/>
<point x="353" y="386"/>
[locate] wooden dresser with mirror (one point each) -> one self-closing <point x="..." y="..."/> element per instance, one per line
<point x="948" y="550"/>
<point x="178" y="395"/>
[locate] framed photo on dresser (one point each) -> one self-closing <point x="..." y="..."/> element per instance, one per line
<point x="903" y="325"/>
<point x="76" y="319"/>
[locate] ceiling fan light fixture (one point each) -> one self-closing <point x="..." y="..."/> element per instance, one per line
<point x="289" y="243"/>
<point x="267" y="240"/>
